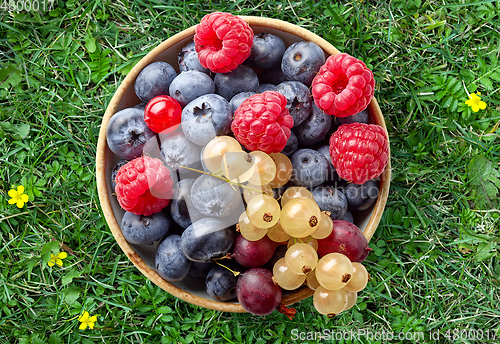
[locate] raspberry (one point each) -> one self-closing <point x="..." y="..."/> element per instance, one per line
<point x="222" y="41"/>
<point x="359" y="151"/>
<point x="343" y="86"/>
<point x="144" y="186"/>
<point x="262" y="122"/>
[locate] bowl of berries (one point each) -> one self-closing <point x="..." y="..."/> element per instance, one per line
<point x="243" y="165"/>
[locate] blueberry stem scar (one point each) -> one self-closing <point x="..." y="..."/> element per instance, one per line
<point x="224" y="179"/>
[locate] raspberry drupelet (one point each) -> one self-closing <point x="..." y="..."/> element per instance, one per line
<point x="144" y="186"/>
<point x="262" y="122"/>
<point x="223" y="41"/>
<point x="343" y="86"/>
<point x="359" y="151"/>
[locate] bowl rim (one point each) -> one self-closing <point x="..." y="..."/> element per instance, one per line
<point x="105" y="203"/>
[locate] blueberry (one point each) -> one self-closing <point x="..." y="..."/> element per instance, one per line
<point x="127" y="133"/>
<point x="181" y="207"/>
<point x="141" y="106"/>
<point x="299" y="100"/>
<point x="214" y="197"/>
<point x="220" y="284"/>
<point x="331" y="176"/>
<point x="267" y="51"/>
<point x="238" y="99"/>
<point x="190" y="85"/>
<point x="177" y="150"/>
<point x="242" y="79"/>
<point x="348" y="217"/>
<point x="302" y="61"/>
<point x="171" y="263"/>
<point x="361" y="197"/>
<point x="360" y="117"/>
<point x="206" y="117"/>
<point x="332" y="200"/>
<point x="292" y="144"/>
<point x="188" y="60"/>
<point x="199" y="271"/>
<point x="309" y="168"/>
<point x="114" y="172"/>
<point x="266" y="87"/>
<point x="202" y="163"/>
<point x="278" y="254"/>
<point x="273" y="76"/>
<point x="142" y="230"/>
<point x="314" y="128"/>
<point x="154" y="80"/>
<point x="206" y="239"/>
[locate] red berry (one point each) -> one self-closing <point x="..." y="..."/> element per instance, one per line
<point x="346" y="238"/>
<point x="222" y="41"/>
<point x="143" y="186"/>
<point x="343" y="86"/>
<point x="359" y="151"/>
<point x="163" y="114"/>
<point x="262" y="122"/>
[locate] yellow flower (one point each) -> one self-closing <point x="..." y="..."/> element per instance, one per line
<point x="475" y="102"/>
<point x="18" y="197"/>
<point x="87" y="320"/>
<point x="57" y="259"/>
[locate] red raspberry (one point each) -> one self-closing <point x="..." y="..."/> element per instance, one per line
<point x="359" y="151"/>
<point x="163" y="114"/>
<point x="222" y="41"/>
<point x="144" y="186"/>
<point x="262" y="122"/>
<point x="343" y="86"/>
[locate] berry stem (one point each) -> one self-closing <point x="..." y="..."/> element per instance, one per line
<point x="213" y="174"/>
<point x="235" y="273"/>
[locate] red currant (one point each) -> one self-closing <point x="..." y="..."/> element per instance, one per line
<point x="163" y="114"/>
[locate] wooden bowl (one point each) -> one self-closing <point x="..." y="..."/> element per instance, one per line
<point x="143" y="256"/>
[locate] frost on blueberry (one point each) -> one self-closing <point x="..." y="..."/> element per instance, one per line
<point x="238" y="99"/>
<point x="181" y="208"/>
<point x="206" y="117"/>
<point x="302" y="61"/>
<point x="242" y="79"/>
<point x="314" y="128"/>
<point x="299" y="100"/>
<point x="170" y="261"/>
<point x="331" y="200"/>
<point x="309" y="168"/>
<point x="127" y="133"/>
<point x="190" y="85"/>
<point x="214" y="197"/>
<point x="154" y="80"/>
<point x="267" y="51"/>
<point x="292" y="144"/>
<point x="177" y="150"/>
<point x="144" y="230"/>
<point x="188" y="60"/>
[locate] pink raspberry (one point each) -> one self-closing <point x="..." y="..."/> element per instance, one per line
<point x="222" y="41"/>
<point x="359" y="151"/>
<point x="343" y="86"/>
<point x="262" y="122"/>
<point x="144" y="186"/>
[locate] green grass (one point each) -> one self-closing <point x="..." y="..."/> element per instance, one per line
<point x="436" y="262"/>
